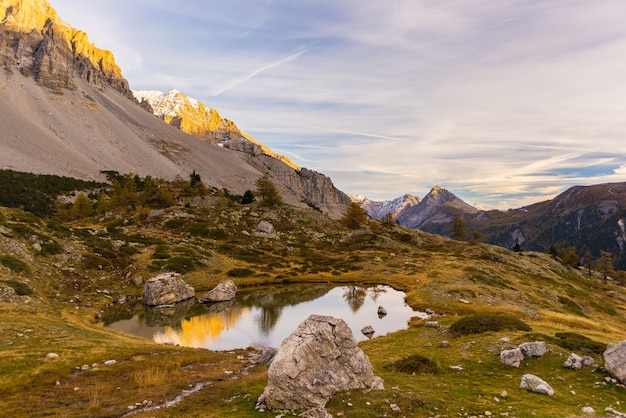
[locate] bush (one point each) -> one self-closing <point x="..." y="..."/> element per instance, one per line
<point x="21" y="289"/>
<point x="576" y="342"/>
<point x="240" y="272"/>
<point x="51" y="247"/>
<point x="414" y="364"/>
<point x="15" y="264"/>
<point x="483" y="323"/>
<point x="180" y="265"/>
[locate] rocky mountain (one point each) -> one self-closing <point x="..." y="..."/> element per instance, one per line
<point x="197" y="119"/>
<point x="66" y="109"/>
<point x="588" y="218"/>
<point x="379" y="209"/>
<point x="435" y="212"/>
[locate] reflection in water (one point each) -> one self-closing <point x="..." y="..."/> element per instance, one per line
<point x="266" y="316"/>
<point x="355" y="297"/>
<point x="199" y="331"/>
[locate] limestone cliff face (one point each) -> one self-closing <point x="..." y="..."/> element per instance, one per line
<point x="197" y="119"/>
<point x="36" y="42"/>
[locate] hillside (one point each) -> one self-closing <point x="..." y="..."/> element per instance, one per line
<point x="587" y="218"/>
<point x="65" y="109"/>
<point x="59" y="277"/>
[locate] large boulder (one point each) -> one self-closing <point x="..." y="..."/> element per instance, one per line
<point x="615" y="361"/>
<point x="532" y="383"/>
<point x="223" y="292"/>
<point x="166" y="289"/>
<point x="319" y="359"/>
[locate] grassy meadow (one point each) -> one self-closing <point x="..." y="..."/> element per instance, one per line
<point x="65" y="273"/>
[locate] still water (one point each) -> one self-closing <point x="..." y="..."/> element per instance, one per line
<point x="264" y="316"/>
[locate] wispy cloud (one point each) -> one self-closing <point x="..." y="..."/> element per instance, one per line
<point x="256" y="72"/>
<point x="502" y="101"/>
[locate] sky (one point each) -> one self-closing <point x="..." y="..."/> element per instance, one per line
<point x="503" y="102"/>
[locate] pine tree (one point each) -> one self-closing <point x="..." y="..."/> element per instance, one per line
<point x="354" y="217"/>
<point x="82" y="206"/>
<point x="267" y="191"/>
<point x="248" y="197"/>
<point x="458" y="228"/>
<point x="102" y="206"/>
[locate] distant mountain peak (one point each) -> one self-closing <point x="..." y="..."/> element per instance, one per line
<point x="197" y="119"/>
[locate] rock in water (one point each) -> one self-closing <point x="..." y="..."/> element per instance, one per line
<point x="166" y="289"/>
<point x="223" y="292"/>
<point x="319" y="359"/>
<point x="615" y="360"/>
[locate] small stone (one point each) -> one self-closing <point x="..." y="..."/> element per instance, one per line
<point x="432" y="324"/>
<point x="52" y="355"/>
<point x="110" y="362"/>
<point x="587" y="410"/>
<point x="85" y="367"/>
<point x="444" y="344"/>
<point x="57" y="383"/>
<point x="381" y="311"/>
<point x="505" y="340"/>
<point x="504" y="394"/>
<point x="395" y="408"/>
<point x="457" y="368"/>
<point x="464" y="301"/>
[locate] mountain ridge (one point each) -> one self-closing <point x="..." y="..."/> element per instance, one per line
<point x="63" y="115"/>
<point x="195" y="118"/>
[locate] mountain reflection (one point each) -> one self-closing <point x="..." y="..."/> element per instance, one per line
<point x="200" y="331"/>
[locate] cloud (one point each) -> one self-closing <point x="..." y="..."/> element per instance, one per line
<point x="500" y="101"/>
<point x="258" y="71"/>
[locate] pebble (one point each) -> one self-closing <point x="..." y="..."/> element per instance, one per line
<point x="52" y="355"/>
<point x="110" y="362"/>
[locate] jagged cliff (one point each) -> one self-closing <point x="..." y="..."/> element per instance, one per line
<point x="37" y="43"/>
<point x="65" y="109"/>
<point x="197" y="119"/>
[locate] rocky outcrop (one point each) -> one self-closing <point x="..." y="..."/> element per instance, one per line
<point x="223" y="292"/>
<point x="615" y="361"/>
<point x="532" y="383"/>
<point x="319" y="359"/>
<point x="515" y="356"/>
<point x="576" y="362"/>
<point x="36" y="42"/>
<point x="166" y="289"/>
<point x="512" y="357"/>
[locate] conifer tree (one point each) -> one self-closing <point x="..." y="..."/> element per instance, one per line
<point x="354" y="217"/>
<point x="268" y="193"/>
<point x="459" y="231"/>
<point x="82" y="206"/>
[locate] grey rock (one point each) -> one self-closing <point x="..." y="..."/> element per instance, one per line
<point x="587" y="410"/>
<point x="368" y="331"/>
<point x="381" y="312"/>
<point x="534" y="349"/>
<point x="432" y="324"/>
<point x="166" y="289"/>
<point x="588" y="361"/>
<point x="512" y="357"/>
<point x="223" y="292"/>
<point x="319" y="412"/>
<point x="320" y="358"/>
<point x="444" y="344"/>
<point x="52" y="355"/>
<point x="532" y="383"/>
<point x="574" y="361"/>
<point x="264" y="227"/>
<point x="267" y="356"/>
<point x="615" y="361"/>
<point x="137" y="281"/>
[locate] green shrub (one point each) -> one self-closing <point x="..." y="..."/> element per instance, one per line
<point x="13" y="263"/>
<point x="180" y="265"/>
<point x="414" y="364"/>
<point x="240" y="272"/>
<point x="483" y="323"/>
<point x="21" y="289"/>
<point x="175" y="223"/>
<point x="92" y="261"/>
<point x="576" y="342"/>
<point x="51" y="247"/>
